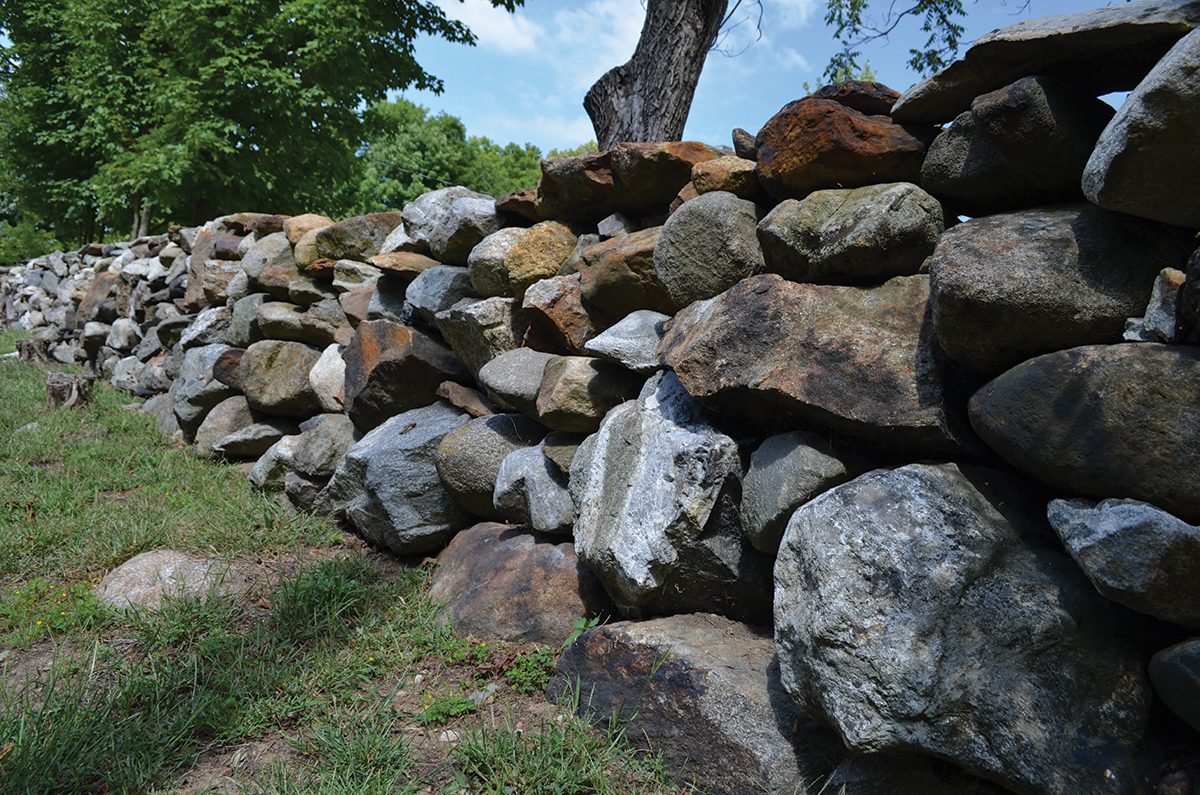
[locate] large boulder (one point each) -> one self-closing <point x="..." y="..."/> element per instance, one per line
<point x="577" y="188"/>
<point x="1135" y="554"/>
<point x="538" y="254"/>
<point x="274" y="376"/>
<point x="1145" y="161"/>
<point x="704" y="692"/>
<point x="1099" y="51"/>
<point x="657" y="490"/>
<point x="438" y="289"/>
<point x="852" y="236"/>
<point x="927" y="609"/>
<point x="462" y="227"/>
<point x="423" y="214"/>
<point x="391" y="369"/>
<point x="387" y="484"/>
<point x="706" y="247"/>
<point x="647" y="176"/>
<point x="814" y="144"/>
<point x="498" y="581"/>
<point x="1103" y="420"/>
<point x="785" y="355"/>
<point x="357" y="238"/>
<point x="196" y="392"/>
<point x="1008" y="287"/>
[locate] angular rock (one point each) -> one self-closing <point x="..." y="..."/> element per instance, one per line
<point x="577" y="391"/>
<point x="815" y="144"/>
<point x="268" y="252"/>
<point x="561" y="320"/>
<point x="782" y="355"/>
<point x="357" y="303"/>
<point x="255" y="439"/>
<point x="743" y="144"/>
<point x="388" y="488"/>
<point x="1138" y="403"/>
<point x="126" y="374"/>
<point x="577" y="188"/>
<point x="1100" y="51"/>
<point x="1162" y="321"/>
<point x="303" y="491"/>
<point x="351" y="274"/>
<point x="1175" y="672"/>
<point x="1045" y="129"/>
<point x="277" y="280"/>
<point x="489" y="277"/>
<point x="854" y="236"/>
<point x="538" y="254"/>
<point x="196" y="391"/>
<point x="124" y="335"/>
<point x="99" y="291"/>
<point x="531" y="489"/>
<point x="706" y="247"/>
<point x="210" y="327"/>
<point x="647" y="176"/>
<point x="387" y="300"/>
<point x="502" y="582"/>
<point x="1135" y="554"/>
<point x="633" y="342"/>
<point x="479" y="332"/>
<point x="356" y="238"/>
<point x="216" y="276"/>
<point x="273" y="465"/>
<point x="469" y="400"/>
<point x="618" y="275"/>
<point x="243" y="321"/>
<point x="462" y="227"/>
<point x="275" y="378"/>
<point x="864" y="96"/>
<point x="964" y="169"/>
<point x="1009" y="287"/>
<point x="786" y="471"/>
<point x="328" y="379"/>
<point x="469" y="458"/>
<point x="701" y="681"/>
<point x="423" y="214"/>
<point x="520" y="206"/>
<point x="280" y="320"/>
<point x="616" y="225"/>
<point x="882" y="774"/>
<point x="323" y="440"/>
<point x="513" y="378"/>
<point x="391" y="369"/>
<point x="1145" y="162"/>
<point x="405" y="264"/>
<point x="883" y="589"/>
<point x="438" y="289"/>
<point x="657" y="490"/>
<point x="231" y="414"/>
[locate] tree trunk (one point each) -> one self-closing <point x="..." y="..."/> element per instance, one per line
<point x="648" y="99"/>
<point x="67" y="389"/>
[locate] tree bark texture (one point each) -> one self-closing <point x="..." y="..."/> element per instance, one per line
<point x="648" y="98"/>
<point x="68" y="389"/>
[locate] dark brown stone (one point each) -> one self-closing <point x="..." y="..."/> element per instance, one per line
<point x="871" y="99"/>
<point x="504" y="582"/>
<point x="618" y="275"/>
<point x="469" y="400"/>
<point x="265" y="225"/>
<point x="577" y="188"/>
<point x="785" y="355"/>
<point x="648" y="176"/>
<point x="391" y="369"/>
<point x="814" y="144"/>
<point x="561" y="320"/>
<point x="275" y="279"/>
<point x="522" y="204"/>
<point x="321" y="268"/>
<point x="226" y="247"/>
<point x="228" y="368"/>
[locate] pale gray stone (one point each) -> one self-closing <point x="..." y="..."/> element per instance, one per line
<point x="462" y="227"/>
<point x="489" y="277"/>
<point x="328" y="379"/>
<point x="479" y="332"/>
<point x="512" y="379"/>
<point x="439" y="288"/>
<point x="531" y="489"/>
<point x="632" y="342"/>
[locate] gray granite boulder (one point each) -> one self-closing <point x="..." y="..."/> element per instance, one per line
<point x="210" y="327"/>
<point x="387" y="485"/>
<point x="322" y="442"/>
<point x="786" y="471"/>
<point x="255" y="439"/>
<point x="438" y="289"/>
<point x="485" y="263"/>
<point x="707" y="246"/>
<point x="196" y="391"/>
<point x="704" y="692"/>
<point x="423" y="214"/>
<point x="577" y="391"/>
<point x="243" y="322"/>
<point x="469" y="458"/>
<point x="632" y="342"/>
<point x="1145" y="162"/>
<point x="1140" y="408"/>
<point x="479" y="332"/>
<point x="467" y="222"/>
<point x="531" y="489"/>
<point x="927" y="609"/>
<point x="269" y="251"/>
<point x="1135" y="554"/>
<point x="230" y="415"/>
<point x="1009" y="287"/>
<point x="513" y="378"/>
<point x="657" y="491"/>
<point x="852" y="236"/>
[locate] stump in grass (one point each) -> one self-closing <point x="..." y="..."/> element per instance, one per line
<point x="68" y="389"/>
<point x="34" y="350"/>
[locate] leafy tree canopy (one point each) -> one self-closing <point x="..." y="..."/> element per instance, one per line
<point x="200" y="107"/>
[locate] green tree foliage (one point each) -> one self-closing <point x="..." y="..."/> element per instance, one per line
<point x="854" y="27"/>
<point x="199" y="107"/>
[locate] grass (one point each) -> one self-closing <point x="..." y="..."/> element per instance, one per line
<point x="337" y="662"/>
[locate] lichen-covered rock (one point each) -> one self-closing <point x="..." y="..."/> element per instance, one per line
<point x="275" y="378"/>
<point x="577" y="391"/>
<point x="356" y="238"/>
<point x="538" y="254"/>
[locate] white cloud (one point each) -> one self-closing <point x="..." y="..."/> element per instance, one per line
<point x="788" y="13"/>
<point x="494" y="27"/>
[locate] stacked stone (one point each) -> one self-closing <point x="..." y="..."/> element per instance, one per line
<point x="920" y="397"/>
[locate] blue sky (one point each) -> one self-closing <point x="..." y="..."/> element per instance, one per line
<point x="526" y="78"/>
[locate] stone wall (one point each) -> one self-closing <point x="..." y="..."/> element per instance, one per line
<point x="954" y="464"/>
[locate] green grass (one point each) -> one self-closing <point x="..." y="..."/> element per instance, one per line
<point x="343" y="657"/>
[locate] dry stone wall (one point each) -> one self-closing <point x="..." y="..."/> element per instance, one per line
<point x="912" y="380"/>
